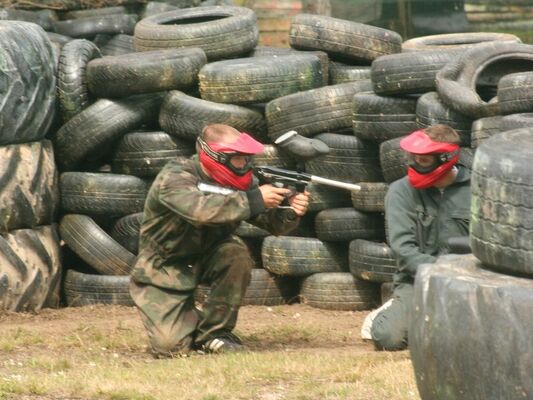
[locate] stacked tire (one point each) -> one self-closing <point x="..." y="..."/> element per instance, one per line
<point x="30" y="253"/>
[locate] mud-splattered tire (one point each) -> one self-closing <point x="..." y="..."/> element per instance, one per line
<point x="28" y="74"/>
<point x="72" y="79"/>
<point x="93" y="130"/>
<point x="185" y="116"/>
<point x="346" y="224"/>
<point x="259" y="79"/>
<point x="371" y="261"/>
<point x="29" y="195"/>
<point x="296" y="256"/>
<point x="371" y="197"/>
<point x="406" y="73"/>
<point x="339" y="291"/>
<point x="125" y="231"/>
<point x="341" y="38"/>
<point x="145" y="72"/>
<point x="144" y="154"/>
<point x="350" y="159"/>
<point x="221" y="31"/>
<point x="471" y="332"/>
<point x="85" y="289"/>
<point x="456" y="83"/>
<point x="265" y="289"/>
<point x="502" y="202"/>
<point x="102" y="193"/>
<point x="370" y="122"/>
<point x="326" y="109"/>
<point x="31" y="269"/>
<point x="83" y="236"/>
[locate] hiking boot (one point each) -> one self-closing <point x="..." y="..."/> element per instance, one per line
<point x="300" y="147"/>
<point x="226" y="342"/>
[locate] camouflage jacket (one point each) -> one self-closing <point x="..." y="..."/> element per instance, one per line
<point x="420" y="222"/>
<point x="182" y="222"/>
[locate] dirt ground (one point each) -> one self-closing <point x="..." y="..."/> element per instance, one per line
<point x="327" y="329"/>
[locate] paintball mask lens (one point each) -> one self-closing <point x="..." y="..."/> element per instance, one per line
<point x="426" y="163"/>
<point x="423" y="163"/>
<point x="240" y="164"/>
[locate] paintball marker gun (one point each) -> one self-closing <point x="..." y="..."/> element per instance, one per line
<point x="297" y="181"/>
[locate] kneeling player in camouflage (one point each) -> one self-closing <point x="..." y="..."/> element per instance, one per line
<point x="190" y="214"/>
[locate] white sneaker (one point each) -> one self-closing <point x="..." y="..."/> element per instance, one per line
<point x="366" y="329"/>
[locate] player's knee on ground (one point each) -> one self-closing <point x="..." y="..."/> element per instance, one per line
<point x="389" y="330"/>
<point x="167" y="345"/>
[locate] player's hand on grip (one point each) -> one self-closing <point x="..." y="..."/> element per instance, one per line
<point x="273" y="196"/>
<point x="299" y="203"/>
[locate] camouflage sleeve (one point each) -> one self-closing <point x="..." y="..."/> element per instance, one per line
<point x="179" y="192"/>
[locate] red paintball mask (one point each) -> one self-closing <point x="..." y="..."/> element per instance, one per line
<point x="445" y="156"/>
<point x="230" y="164"/>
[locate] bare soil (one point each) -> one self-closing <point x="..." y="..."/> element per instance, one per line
<point x="328" y="330"/>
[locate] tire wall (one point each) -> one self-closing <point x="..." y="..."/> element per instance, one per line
<point x="103" y="137"/>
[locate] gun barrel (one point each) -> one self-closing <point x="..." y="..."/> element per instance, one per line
<point x="331" y="182"/>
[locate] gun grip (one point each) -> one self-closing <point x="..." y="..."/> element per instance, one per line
<point x="300" y="187"/>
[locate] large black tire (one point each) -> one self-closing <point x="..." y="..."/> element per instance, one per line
<point x="342" y="39"/>
<point x="259" y="79"/>
<point x="102" y="193"/>
<point x="265" y="289"/>
<point x="405" y="73"/>
<point x="31" y="268"/>
<point x="372" y="123"/>
<point x="339" y="291"/>
<point x="372" y="261"/>
<point x="90" y="26"/>
<point x="456" y="82"/>
<point x="371" y="197"/>
<point x="29" y="195"/>
<point x="99" y="125"/>
<point x="28" y="76"/>
<point x="350" y="159"/>
<point x="71" y="77"/>
<point x="146" y="153"/>
<point x="85" y="289"/>
<point x="430" y="110"/>
<point x="85" y="238"/>
<point x="221" y="31"/>
<point x="471" y="332"/>
<point x="145" y="72"/>
<point x="296" y="256"/>
<point x="185" y="116"/>
<point x="327" y="109"/>
<point x="346" y="224"/>
<point x="502" y="202"/>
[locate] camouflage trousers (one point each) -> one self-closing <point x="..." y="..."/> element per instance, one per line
<point x="173" y="323"/>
